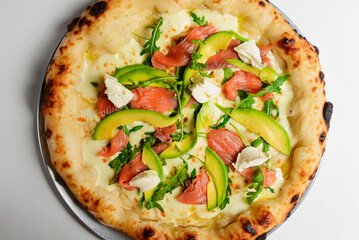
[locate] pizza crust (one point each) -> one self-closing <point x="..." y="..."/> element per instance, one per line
<point x="103" y="28"/>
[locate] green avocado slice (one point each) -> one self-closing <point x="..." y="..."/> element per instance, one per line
<point x="144" y="74"/>
<point x="219" y="176"/>
<point x="266" y="74"/>
<point x="215" y="42"/>
<point x="121" y="71"/>
<point x="106" y="127"/>
<point x="151" y="159"/>
<point x="263" y="125"/>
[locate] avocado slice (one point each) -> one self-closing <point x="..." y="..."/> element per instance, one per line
<point x="121" y="71"/>
<point x="263" y="125"/>
<point x="184" y="146"/>
<point x="219" y="174"/>
<point x="144" y="74"/>
<point x="106" y="127"/>
<point x="266" y="74"/>
<point x="203" y="120"/>
<point x="215" y="42"/>
<point x="151" y="159"/>
<point x="211" y="195"/>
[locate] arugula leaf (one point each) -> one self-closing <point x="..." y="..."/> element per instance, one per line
<point x="177" y="136"/>
<point x="270" y="189"/>
<point x="220" y="124"/>
<point x="136" y="128"/>
<point x="150" y="46"/>
<point x="228" y="73"/>
<point x="121" y="160"/>
<point x="128" y="131"/>
<point x="200" y="21"/>
<point x="274" y="87"/>
<point x="259" y="141"/>
<point x="269" y="107"/>
<point x="172" y="183"/>
<point x="240" y="135"/>
<point x="194" y="64"/>
<point x="153" y="204"/>
<point x="193" y="173"/>
<point x="257" y="185"/>
<point x="95" y="84"/>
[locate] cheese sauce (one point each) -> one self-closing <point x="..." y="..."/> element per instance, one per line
<point x="176" y="25"/>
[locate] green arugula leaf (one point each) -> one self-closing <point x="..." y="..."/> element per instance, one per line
<point x="128" y="131"/>
<point x="229" y="192"/>
<point x="172" y="183"/>
<point x="257" y="185"/>
<point x="194" y="64"/>
<point x="270" y="189"/>
<point x="193" y="173"/>
<point x="200" y="21"/>
<point x="219" y="124"/>
<point x="150" y="46"/>
<point x="136" y="128"/>
<point x="269" y="107"/>
<point x="176" y="136"/>
<point x="228" y="73"/>
<point x="274" y="87"/>
<point x="95" y="84"/>
<point x="259" y="141"/>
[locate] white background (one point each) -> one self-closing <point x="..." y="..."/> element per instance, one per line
<point x="30" y="209"/>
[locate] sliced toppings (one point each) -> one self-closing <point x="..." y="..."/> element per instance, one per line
<point x="219" y="60"/>
<point x="118" y="143"/>
<point x="269" y="175"/>
<point x="249" y="53"/>
<point x="116" y="92"/>
<point x="163" y="134"/>
<point x="203" y="90"/>
<point x="104" y="105"/>
<point x="154" y="98"/>
<point x="130" y="170"/>
<point x="146" y="180"/>
<point x="264" y="50"/>
<point x="241" y="80"/>
<point x="226" y="144"/>
<point x="191" y="102"/>
<point x="180" y="55"/>
<point x="196" y="192"/>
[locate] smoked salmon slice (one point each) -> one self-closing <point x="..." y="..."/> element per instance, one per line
<point x="163" y="134"/>
<point x="118" y="143"/>
<point x="154" y="98"/>
<point x="219" y="60"/>
<point x="241" y="80"/>
<point x="269" y="175"/>
<point x="104" y="105"/>
<point x="264" y="52"/>
<point x="196" y="193"/>
<point x="180" y="55"/>
<point x="130" y="170"/>
<point x="226" y="144"/>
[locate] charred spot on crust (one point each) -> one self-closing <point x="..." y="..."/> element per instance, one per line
<point x="265" y="218"/>
<point x="190" y="236"/>
<point x="147" y="233"/>
<point x="62" y="68"/>
<point x="48" y="133"/>
<point x="247" y="227"/>
<point x="262" y="237"/>
<point x="261" y="3"/>
<point x="66" y="165"/>
<point x="287" y="45"/>
<point x="321" y="76"/>
<point x="311" y="177"/>
<point x="327" y="113"/>
<point x="316" y="49"/>
<point x="84" y="21"/>
<point x="295" y="198"/>
<point x="98" y="8"/>
<point x="322" y="137"/>
<point x="73" y="23"/>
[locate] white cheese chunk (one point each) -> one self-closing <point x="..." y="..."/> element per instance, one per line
<point x="116" y="92"/>
<point x="223" y="22"/>
<point x="146" y="180"/>
<point x="250" y="157"/>
<point x="249" y="53"/>
<point x="203" y="90"/>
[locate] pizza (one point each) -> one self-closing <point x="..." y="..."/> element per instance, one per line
<point x="186" y="119"/>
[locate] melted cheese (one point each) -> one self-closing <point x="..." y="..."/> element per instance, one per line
<point x="223" y="22"/>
